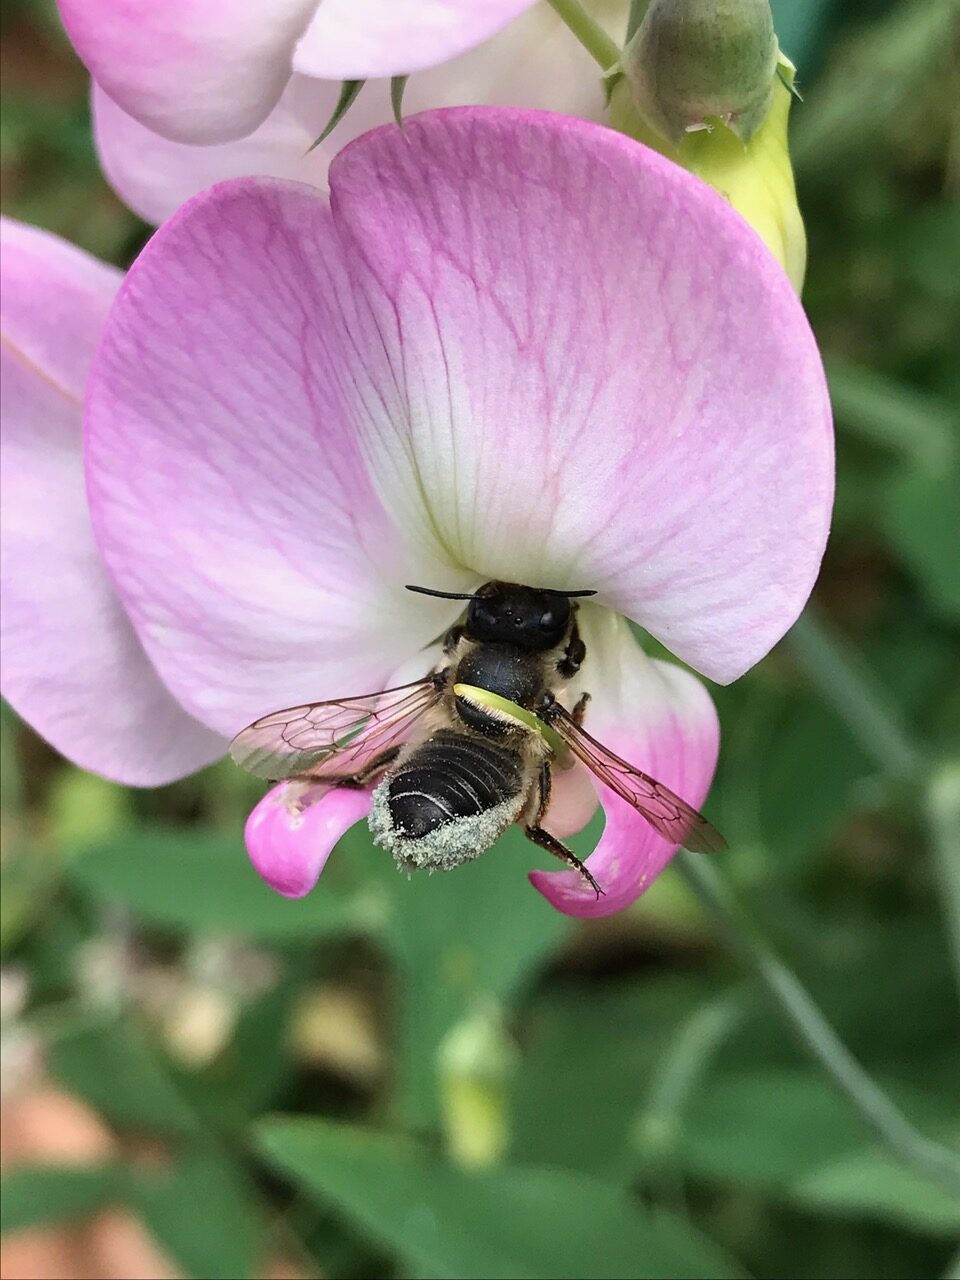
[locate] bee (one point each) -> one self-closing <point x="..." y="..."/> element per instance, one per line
<point x="453" y="770"/>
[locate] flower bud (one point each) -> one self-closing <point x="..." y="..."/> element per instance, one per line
<point x="696" y="61"/>
<point x="756" y="177"/>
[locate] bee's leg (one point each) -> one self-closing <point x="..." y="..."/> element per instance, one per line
<point x="533" y="830"/>
<point x="363" y="777"/>
<point x="580" y="708"/>
<point x="453" y="637"/>
<point x="549" y="709"/>
<point x="573" y="655"/>
<point x="546" y="841"/>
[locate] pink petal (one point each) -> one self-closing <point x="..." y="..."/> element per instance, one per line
<point x="154" y="175"/>
<point x="356" y="39"/>
<point x="228" y="493"/>
<point x="607" y="381"/>
<point x="661" y="719"/>
<point x="292" y="832"/>
<point x="533" y="62"/>
<point x="573" y="801"/>
<point x="72" y="665"/>
<point x="194" y="70"/>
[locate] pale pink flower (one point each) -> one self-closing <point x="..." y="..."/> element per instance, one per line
<point x="510" y="345"/>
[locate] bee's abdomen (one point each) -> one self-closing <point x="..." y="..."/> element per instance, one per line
<point x="451" y="776"/>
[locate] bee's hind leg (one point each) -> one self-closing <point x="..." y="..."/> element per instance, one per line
<point x="546" y="841"/>
<point x="533" y="831"/>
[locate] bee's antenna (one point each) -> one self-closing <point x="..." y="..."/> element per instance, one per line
<point x="572" y="595"/>
<point x="442" y="595"/>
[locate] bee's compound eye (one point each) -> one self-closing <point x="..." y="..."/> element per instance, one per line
<point x="548" y="621"/>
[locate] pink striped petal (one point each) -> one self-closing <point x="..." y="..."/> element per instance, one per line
<point x="606" y="380"/>
<point x="72" y="665"/>
<point x="658" y="717"/>
<point x="228" y="492"/>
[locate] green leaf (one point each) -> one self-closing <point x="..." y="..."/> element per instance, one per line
<point x="871" y="79"/>
<point x="348" y="94"/>
<point x="514" y="1222"/>
<point x="35" y="1195"/>
<point x="923" y="520"/>
<point x="788" y="1132"/>
<point x="397" y="86"/>
<point x="202" y="1213"/>
<point x="892" y="414"/>
<point x="199" y="881"/>
<point x="115" y="1068"/>
<point x="610" y="1039"/>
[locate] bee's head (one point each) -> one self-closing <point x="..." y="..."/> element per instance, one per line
<point x="531" y="618"/>
<point x="504" y="613"/>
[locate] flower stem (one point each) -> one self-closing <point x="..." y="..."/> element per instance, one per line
<point x="815" y="1033"/>
<point x="834" y="673"/>
<point x="588" y="31"/>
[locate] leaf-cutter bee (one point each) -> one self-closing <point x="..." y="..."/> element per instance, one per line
<point x="453" y="771"/>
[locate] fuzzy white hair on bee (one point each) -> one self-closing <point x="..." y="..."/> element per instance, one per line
<point x="448" y="845"/>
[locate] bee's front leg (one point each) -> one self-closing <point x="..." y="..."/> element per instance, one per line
<point x="533" y="830"/>
<point x="573" y="654"/>
<point x="453" y="637"/>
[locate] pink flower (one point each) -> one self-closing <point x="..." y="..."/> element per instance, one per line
<point x="202" y="71"/>
<point x="511" y="346"/>
<point x="532" y="62"/>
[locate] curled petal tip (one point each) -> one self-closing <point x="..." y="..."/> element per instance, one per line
<point x="293" y="830"/>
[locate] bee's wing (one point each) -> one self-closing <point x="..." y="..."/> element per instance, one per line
<point x="672" y="817"/>
<point x="347" y="731"/>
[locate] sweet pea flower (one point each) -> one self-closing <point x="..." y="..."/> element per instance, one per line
<point x="533" y="62"/>
<point x="201" y="71"/>
<point x="509" y="346"/>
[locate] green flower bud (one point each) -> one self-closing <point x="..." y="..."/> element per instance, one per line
<point x="696" y="61"/>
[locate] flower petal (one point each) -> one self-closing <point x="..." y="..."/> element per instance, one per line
<point x="533" y="62"/>
<point x="606" y="380"/>
<point x="72" y="666"/>
<point x="228" y="494"/>
<point x="190" y="69"/>
<point x="573" y="801"/>
<point x="654" y="715"/>
<point x="291" y="833"/>
<point x="155" y="175"/>
<point x="357" y="39"/>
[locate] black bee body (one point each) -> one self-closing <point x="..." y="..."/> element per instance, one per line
<point x="447" y="798"/>
<point x="467" y="769"/>
<point x="451" y="776"/>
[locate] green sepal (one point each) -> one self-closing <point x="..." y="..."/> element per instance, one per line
<point x="348" y="93"/>
<point x="493" y="701"/>
<point x="638" y="9"/>
<point x="397" y="86"/>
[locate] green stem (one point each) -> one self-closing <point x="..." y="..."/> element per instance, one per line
<point x="589" y="32"/>
<point x="815" y="1033"/>
<point x="834" y="673"/>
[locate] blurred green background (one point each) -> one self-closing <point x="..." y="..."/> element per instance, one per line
<point x="640" y="1108"/>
